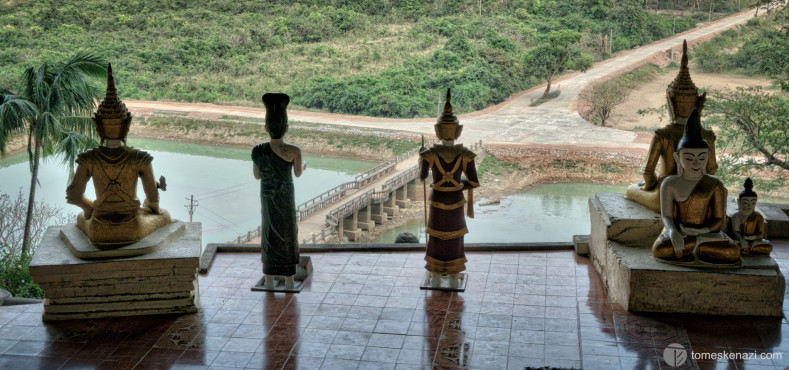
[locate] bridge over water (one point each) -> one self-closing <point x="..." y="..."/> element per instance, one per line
<point x="354" y="207"/>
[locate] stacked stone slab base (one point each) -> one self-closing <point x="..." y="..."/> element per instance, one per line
<point x="161" y="282"/>
<point x="621" y="248"/>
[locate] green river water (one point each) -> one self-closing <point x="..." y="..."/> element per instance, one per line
<point x="220" y="178"/>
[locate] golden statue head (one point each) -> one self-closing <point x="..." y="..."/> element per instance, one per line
<point x="682" y="94"/>
<point x="448" y="128"/>
<point x="112" y="119"/>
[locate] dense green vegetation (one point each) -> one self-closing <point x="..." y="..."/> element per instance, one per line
<point x="759" y="48"/>
<point x="383" y="58"/>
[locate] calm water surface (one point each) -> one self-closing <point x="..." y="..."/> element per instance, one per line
<point x="220" y="178"/>
<point x="546" y="213"/>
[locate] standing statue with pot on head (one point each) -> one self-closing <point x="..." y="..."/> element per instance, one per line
<point x="682" y="96"/>
<point x="115" y="218"/>
<point x="446" y="225"/>
<point x="273" y="163"/>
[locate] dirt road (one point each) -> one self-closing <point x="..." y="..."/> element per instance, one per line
<point x="513" y="121"/>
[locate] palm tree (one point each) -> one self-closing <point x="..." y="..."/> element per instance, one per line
<point x="53" y="109"/>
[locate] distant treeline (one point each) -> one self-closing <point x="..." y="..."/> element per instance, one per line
<point x="389" y="58"/>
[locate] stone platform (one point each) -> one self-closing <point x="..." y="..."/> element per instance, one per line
<point x="161" y="282"/>
<point x="620" y="248"/>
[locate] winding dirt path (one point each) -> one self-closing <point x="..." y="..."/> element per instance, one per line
<point x="555" y="122"/>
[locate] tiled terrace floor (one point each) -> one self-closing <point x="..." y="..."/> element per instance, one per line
<point x="366" y="311"/>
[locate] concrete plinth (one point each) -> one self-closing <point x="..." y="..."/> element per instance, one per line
<point x="620" y="247"/>
<point x="303" y="272"/>
<point x="639" y="283"/>
<point x="161" y="282"/>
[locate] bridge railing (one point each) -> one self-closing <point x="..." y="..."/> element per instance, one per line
<point x="401" y="179"/>
<point x="324" y="200"/>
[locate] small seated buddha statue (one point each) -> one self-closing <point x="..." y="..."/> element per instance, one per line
<point x="682" y="96"/>
<point x="747" y="224"/>
<point x="115" y="218"/>
<point x="693" y="206"/>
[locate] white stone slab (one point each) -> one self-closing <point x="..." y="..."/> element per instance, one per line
<point x="303" y="272"/>
<point x="625" y="221"/>
<point x="639" y="283"/>
<point x="162" y="281"/>
<point x="81" y="247"/>
<point x="53" y="257"/>
<point x="462" y="281"/>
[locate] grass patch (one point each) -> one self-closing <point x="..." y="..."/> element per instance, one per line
<point x="493" y="166"/>
<point x="551" y="95"/>
<point x="171" y="113"/>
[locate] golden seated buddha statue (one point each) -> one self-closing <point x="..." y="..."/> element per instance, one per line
<point x="747" y="224"/>
<point x="693" y="206"/>
<point x="682" y="96"/>
<point x="115" y="218"/>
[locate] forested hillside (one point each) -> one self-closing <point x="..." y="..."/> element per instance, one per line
<point x="383" y="58"/>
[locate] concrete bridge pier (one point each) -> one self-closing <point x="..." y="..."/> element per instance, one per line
<point x="401" y="196"/>
<point x="378" y="214"/>
<point x="390" y="205"/>
<point x="350" y="227"/>
<point x="364" y="219"/>
<point x="414" y="189"/>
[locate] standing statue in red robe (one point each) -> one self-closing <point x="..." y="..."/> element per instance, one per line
<point x="446" y="225"/>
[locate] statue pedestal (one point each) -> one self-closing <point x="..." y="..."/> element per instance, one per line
<point x="620" y="247"/>
<point x="303" y="272"/>
<point x="163" y="281"/>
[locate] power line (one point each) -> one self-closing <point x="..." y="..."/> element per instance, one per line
<point x="224" y="218"/>
<point x="227" y="188"/>
<point x="226" y="193"/>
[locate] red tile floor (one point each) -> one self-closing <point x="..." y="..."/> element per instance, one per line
<point x="366" y="311"/>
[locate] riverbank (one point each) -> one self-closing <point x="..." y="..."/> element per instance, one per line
<point x="317" y="139"/>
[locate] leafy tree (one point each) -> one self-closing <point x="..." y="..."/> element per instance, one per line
<point x="600" y="99"/>
<point x="558" y="53"/>
<point x="770" y="55"/>
<point x="53" y="109"/>
<point x="753" y="132"/>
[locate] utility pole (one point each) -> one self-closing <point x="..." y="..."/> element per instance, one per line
<point x="191" y="205"/>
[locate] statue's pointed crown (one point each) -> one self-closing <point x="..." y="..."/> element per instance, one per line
<point x="448" y="117"/>
<point x="683" y="84"/>
<point x="748" y="189"/>
<point x="691" y="138"/>
<point x="112" y="106"/>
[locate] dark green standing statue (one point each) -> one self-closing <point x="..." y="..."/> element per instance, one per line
<point x="273" y="162"/>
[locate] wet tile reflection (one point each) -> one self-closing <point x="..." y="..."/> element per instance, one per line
<point x="365" y="311"/>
